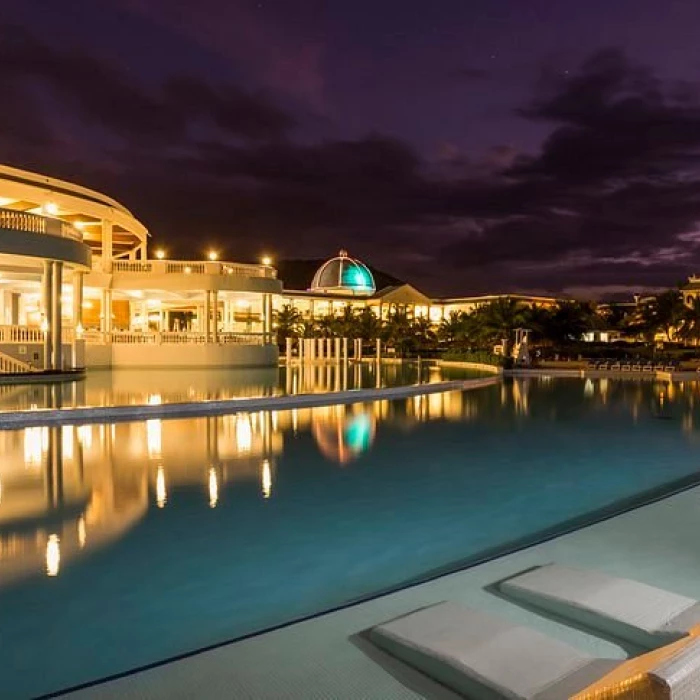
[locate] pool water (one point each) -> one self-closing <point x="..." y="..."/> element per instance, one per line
<point x="124" y="545"/>
<point x="139" y="386"/>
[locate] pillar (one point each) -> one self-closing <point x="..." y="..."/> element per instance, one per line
<point x="267" y="318"/>
<point x="312" y="349"/>
<point x="345" y="349"/>
<point x="215" y="316"/>
<point x="288" y="352"/>
<point x="359" y="348"/>
<point x="47" y="309"/>
<point x="107" y="248"/>
<point x="207" y="316"/>
<point x="77" y="301"/>
<point x="379" y="349"/>
<point x="107" y="312"/>
<point x="320" y="348"/>
<point x="329" y="348"/>
<point x="142" y="251"/>
<point x="337" y="349"/>
<point x="57" y="333"/>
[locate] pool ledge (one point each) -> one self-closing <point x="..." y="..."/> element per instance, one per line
<point x="120" y="414"/>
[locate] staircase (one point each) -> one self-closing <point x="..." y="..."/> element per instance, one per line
<point x="11" y="365"/>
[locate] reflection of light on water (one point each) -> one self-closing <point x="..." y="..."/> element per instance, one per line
<point x="0" y="491"/>
<point x="274" y="420"/>
<point x="67" y="440"/>
<point x="244" y="433"/>
<point x="213" y="488"/>
<point x="266" y="479"/>
<point x="85" y="435"/>
<point x="588" y="388"/>
<point x="53" y="555"/>
<point x="154" y="437"/>
<point x="82" y="533"/>
<point x="36" y="442"/>
<point x="161" y="493"/>
<point x="295" y="419"/>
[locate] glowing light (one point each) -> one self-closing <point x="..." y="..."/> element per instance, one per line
<point x="82" y="532"/>
<point x="50" y="209"/>
<point x="87" y="304"/>
<point x="213" y="488"/>
<point x="154" y="438"/>
<point x="160" y="253"/>
<point x="243" y="303"/>
<point x="36" y="442"/>
<point x="53" y="555"/>
<point x="67" y="441"/>
<point x="244" y="433"/>
<point x="79" y="330"/>
<point x="213" y="255"/>
<point x="188" y="269"/>
<point x="44" y="325"/>
<point x="266" y="260"/>
<point x="161" y="492"/>
<point x="266" y="477"/>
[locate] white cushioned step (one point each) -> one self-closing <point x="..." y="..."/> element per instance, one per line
<point x="479" y="655"/>
<point x="630" y="609"/>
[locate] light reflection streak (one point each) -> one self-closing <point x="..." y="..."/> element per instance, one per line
<point x="161" y="492"/>
<point x="213" y="488"/>
<point x="53" y="555"/>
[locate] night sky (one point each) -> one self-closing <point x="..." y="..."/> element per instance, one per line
<point x="466" y="146"/>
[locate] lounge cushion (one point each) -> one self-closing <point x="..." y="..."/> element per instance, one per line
<point x="630" y="610"/>
<point x="483" y="657"/>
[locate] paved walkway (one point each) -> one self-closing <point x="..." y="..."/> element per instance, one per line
<point x="325" y="658"/>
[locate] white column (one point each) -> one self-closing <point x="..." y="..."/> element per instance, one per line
<point x="288" y="353"/>
<point x="359" y="348"/>
<point x="77" y="300"/>
<point x="57" y="360"/>
<point x="47" y="310"/>
<point x="215" y="316"/>
<point x="329" y="346"/>
<point x="345" y="349"/>
<point x="337" y="349"/>
<point x="207" y="316"/>
<point x="312" y="349"/>
<point x="379" y="349"/>
<point x="107" y="249"/>
<point x="143" y="255"/>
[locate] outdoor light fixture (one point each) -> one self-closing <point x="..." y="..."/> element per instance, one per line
<point x="50" y="208"/>
<point x="160" y="253"/>
<point x="266" y="260"/>
<point x="213" y="255"/>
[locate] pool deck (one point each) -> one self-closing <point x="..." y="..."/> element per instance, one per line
<point x="326" y="658"/>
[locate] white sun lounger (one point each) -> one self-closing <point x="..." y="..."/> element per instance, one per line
<point x="626" y="609"/>
<point x="485" y="658"/>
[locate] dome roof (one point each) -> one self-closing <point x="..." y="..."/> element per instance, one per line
<point x="343" y="275"/>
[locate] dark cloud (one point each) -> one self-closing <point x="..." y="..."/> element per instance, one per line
<point x="617" y="179"/>
<point x="612" y="199"/>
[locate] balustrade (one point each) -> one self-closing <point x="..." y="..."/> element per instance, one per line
<point x="35" y="223"/>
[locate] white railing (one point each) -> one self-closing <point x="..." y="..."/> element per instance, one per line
<point x="35" y="223"/>
<point x="26" y="334"/>
<point x="193" y="267"/>
<point x="175" y="338"/>
<point x="21" y="334"/>
<point x="11" y="365"/>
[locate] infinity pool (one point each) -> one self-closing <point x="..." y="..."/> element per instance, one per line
<point x="125" y="545"/>
<point x="125" y="387"/>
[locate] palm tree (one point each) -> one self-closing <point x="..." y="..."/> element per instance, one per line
<point x="498" y="320"/>
<point x="398" y="331"/>
<point x="288" y="323"/>
<point x="368" y="325"/>
<point x="669" y="310"/>
<point x="454" y="330"/>
<point x="423" y="333"/>
<point x="689" y="329"/>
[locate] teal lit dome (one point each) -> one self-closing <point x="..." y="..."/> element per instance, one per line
<point x="343" y="275"/>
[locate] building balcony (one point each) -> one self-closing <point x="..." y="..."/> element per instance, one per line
<point x="193" y="267"/>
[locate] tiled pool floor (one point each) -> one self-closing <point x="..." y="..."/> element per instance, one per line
<point x="324" y="658"/>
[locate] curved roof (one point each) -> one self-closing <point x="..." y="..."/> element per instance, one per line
<point x="343" y="275"/>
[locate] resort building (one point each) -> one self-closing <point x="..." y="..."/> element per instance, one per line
<point x="343" y="281"/>
<point x="79" y="288"/>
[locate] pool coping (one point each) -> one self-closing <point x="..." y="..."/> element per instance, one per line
<point x="12" y="420"/>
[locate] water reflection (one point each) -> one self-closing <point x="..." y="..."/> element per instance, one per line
<point x="68" y="491"/>
<point x="128" y="387"/>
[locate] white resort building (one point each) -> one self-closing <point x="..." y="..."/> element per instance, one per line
<point x="78" y="288"/>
